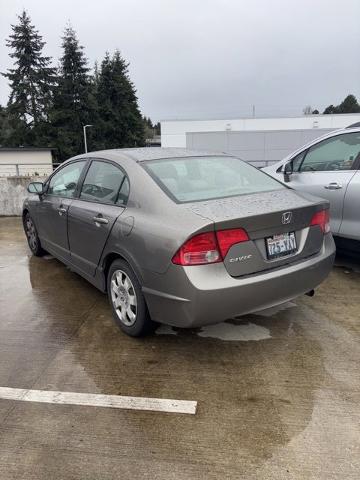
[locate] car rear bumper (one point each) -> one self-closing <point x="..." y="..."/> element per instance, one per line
<point x="206" y="294"/>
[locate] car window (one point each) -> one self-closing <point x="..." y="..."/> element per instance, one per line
<point x="123" y="192"/>
<point x="204" y="178"/>
<point x="64" y="182"/>
<point x="297" y="161"/>
<point x="336" y="153"/>
<point x="102" y="182"/>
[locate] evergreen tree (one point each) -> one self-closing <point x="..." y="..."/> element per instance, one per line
<point x="74" y="102"/>
<point x="120" y="123"/>
<point x="149" y="130"/>
<point x="96" y="73"/>
<point x="31" y="82"/>
<point x="5" y="128"/>
<point x="157" y="127"/>
<point x="330" y="109"/>
<point x="348" y="105"/>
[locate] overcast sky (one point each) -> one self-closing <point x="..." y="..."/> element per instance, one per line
<point x="211" y="58"/>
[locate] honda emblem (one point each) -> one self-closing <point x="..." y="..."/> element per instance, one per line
<point x="286" y="218"/>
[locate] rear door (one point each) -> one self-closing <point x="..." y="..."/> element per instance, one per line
<point x="102" y="199"/>
<point x="326" y="169"/>
<point x="350" y="225"/>
<point x="53" y="208"/>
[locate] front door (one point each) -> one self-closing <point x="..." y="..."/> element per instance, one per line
<point x="91" y="217"/>
<point x="326" y="169"/>
<point x="52" y="210"/>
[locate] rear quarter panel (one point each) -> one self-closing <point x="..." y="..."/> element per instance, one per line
<point x="152" y="227"/>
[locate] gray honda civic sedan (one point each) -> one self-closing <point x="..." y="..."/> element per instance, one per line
<point x="179" y="237"/>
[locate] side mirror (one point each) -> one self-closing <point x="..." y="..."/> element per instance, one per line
<point x="36" y="187"/>
<point x="288" y="170"/>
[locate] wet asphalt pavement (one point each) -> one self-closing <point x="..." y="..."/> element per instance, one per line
<point x="278" y="392"/>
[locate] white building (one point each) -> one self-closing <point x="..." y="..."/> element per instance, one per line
<point x="260" y="141"/>
<point x="26" y="161"/>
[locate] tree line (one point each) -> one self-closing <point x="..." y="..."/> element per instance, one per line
<point x="348" y="105"/>
<point x="49" y="106"/>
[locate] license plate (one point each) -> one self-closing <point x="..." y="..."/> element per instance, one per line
<point x="281" y="245"/>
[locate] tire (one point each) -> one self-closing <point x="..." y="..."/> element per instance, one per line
<point x="32" y="236"/>
<point x="127" y="300"/>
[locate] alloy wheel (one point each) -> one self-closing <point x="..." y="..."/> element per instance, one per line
<point x="31" y="234"/>
<point x="123" y="297"/>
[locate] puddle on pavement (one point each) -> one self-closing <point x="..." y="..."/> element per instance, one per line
<point x="228" y="332"/>
<point x="235" y="333"/>
<point x="234" y="330"/>
<point x="269" y="312"/>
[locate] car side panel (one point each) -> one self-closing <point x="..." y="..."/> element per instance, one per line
<point x="147" y="241"/>
<point x="51" y="221"/>
<point x="350" y="225"/>
<point x="317" y="183"/>
<point x="87" y="238"/>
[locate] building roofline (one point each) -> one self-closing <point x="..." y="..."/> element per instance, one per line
<point x="270" y="117"/>
<point x="27" y="149"/>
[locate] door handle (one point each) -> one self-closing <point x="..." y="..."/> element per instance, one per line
<point x="101" y="220"/>
<point x="333" y="186"/>
<point x="62" y="210"/>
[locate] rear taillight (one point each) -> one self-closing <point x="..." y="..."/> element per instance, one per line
<point x="322" y="219"/>
<point x="228" y="238"/>
<point x="209" y="247"/>
<point x="198" y="250"/>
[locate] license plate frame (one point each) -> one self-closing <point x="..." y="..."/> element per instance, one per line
<point x="281" y="245"/>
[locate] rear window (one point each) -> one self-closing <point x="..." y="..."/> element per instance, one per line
<point x="194" y="179"/>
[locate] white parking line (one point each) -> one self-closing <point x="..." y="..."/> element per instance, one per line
<point x="98" y="400"/>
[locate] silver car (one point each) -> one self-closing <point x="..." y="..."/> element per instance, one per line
<point x="328" y="167"/>
<point x="179" y="237"/>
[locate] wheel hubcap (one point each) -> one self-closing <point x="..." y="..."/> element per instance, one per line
<point x="31" y="234"/>
<point x="123" y="298"/>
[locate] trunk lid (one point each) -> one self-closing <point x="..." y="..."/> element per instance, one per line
<point x="264" y="216"/>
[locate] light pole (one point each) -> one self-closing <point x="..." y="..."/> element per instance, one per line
<point x="85" y="142"/>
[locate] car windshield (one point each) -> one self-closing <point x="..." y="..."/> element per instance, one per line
<point x="194" y="179"/>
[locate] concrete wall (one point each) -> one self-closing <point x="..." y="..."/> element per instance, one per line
<point x="173" y="132"/>
<point x="41" y="159"/>
<point x="13" y="192"/>
<point x="261" y="148"/>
